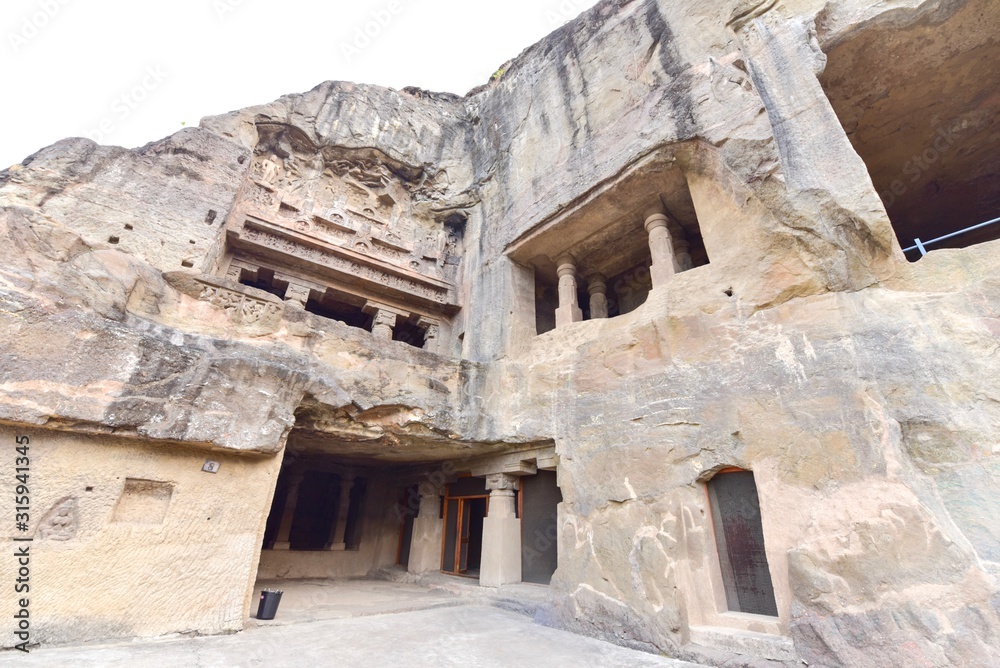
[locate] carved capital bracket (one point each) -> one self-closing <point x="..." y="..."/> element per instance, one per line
<point x="502" y="482"/>
<point x="384" y="318"/>
<point x="297" y="294"/>
<point x="432" y="333"/>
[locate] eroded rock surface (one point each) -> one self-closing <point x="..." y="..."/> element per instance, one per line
<point x="207" y="297"/>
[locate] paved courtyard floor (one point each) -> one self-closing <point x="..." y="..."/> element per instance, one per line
<point x="367" y="623"/>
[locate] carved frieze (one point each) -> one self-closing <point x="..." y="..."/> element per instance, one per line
<point x="348" y="261"/>
<point x="261" y="198"/>
<point x="242" y="308"/>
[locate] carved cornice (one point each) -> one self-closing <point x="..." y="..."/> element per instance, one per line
<point x="290" y="246"/>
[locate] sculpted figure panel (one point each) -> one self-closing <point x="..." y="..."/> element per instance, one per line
<point x="240" y="307"/>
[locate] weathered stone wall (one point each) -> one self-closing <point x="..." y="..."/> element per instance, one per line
<point x="867" y="421"/>
<point x="163" y="203"/>
<point x="134" y="539"/>
<point x="861" y="390"/>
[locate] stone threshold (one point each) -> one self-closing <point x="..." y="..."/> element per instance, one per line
<point x="736" y="641"/>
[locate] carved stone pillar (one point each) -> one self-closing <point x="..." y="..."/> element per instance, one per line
<point x="501" y="563"/>
<point x="432" y="331"/>
<point x="681" y="246"/>
<point x="425" y="543"/>
<point x="234" y="273"/>
<point x="384" y="319"/>
<point x="597" y="286"/>
<point x="569" y="307"/>
<point x="291" y="498"/>
<point x="339" y="529"/>
<point x="660" y="248"/>
<point x="297" y="294"/>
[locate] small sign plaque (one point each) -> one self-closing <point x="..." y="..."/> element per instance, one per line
<point x="211" y="467"/>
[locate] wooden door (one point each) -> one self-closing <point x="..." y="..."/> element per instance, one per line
<point x="464" y="514"/>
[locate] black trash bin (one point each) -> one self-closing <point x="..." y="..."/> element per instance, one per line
<point x="269" y="601"/>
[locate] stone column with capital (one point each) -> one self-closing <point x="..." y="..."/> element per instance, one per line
<point x="660" y="248"/>
<point x="384" y="319"/>
<point x="291" y="498"/>
<point x="432" y="330"/>
<point x="501" y="563"/>
<point x="338" y="532"/>
<point x="597" y="286"/>
<point x="383" y="325"/>
<point x="425" y="542"/>
<point x="569" y="307"/>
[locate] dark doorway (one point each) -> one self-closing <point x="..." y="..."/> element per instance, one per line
<point x="315" y="511"/>
<point x="739" y="535"/>
<point x="540" y="496"/>
<point x="263" y="279"/>
<point x="408" y="332"/>
<point x="355" y="513"/>
<point x="340" y="307"/>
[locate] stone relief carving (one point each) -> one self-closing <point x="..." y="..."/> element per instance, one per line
<point x="261" y="198"/>
<point x="241" y="308"/>
<point x="267" y="169"/>
<point x="352" y="199"/>
<point x="61" y="522"/>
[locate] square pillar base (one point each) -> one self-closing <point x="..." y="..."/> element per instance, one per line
<point x="566" y="315"/>
<point x="501" y="562"/>
<point x="425" y="545"/>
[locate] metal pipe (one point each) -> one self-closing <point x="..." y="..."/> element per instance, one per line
<point x="920" y="245"/>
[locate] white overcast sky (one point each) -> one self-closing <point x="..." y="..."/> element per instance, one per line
<point x="127" y="72"/>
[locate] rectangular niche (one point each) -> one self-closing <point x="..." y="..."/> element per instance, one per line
<point x="143" y="502"/>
